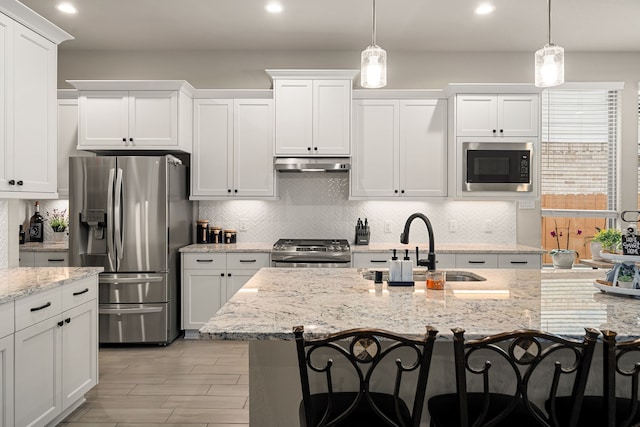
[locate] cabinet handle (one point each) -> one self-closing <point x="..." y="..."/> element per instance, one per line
<point x="60" y="323"/>
<point x="501" y="130"/>
<point x="130" y="139"/>
<point x="235" y="191"/>
<point x="519" y="262"/>
<point x="75" y="294"/>
<point x="221" y="274"/>
<point x="476" y="262"/>
<point x="19" y="182"/>
<point x="229" y="274"/>
<point x="248" y="260"/>
<point x="395" y="191"/>
<point x="378" y="260"/>
<point x="124" y="139"/>
<point x="402" y="191"/>
<point x="228" y="190"/>
<point x="315" y="148"/>
<point x="42" y="307"/>
<point x="55" y="259"/>
<point x="494" y="131"/>
<point x="308" y="148"/>
<point x="12" y="182"/>
<point x="204" y="260"/>
<point x="67" y="320"/>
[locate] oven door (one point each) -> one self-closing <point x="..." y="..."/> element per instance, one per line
<point x="501" y="166"/>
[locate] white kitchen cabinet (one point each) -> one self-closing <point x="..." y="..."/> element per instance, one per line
<point x="533" y="261"/>
<point x="499" y="115"/>
<point x="233" y="149"/>
<point x="312" y="112"/>
<point x="380" y="259"/>
<point x="44" y="259"/>
<point x="131" y="116"/>
<point x="400" y="148"/>
<point x="6" y="364"/>
<point x="477" y="260"/>
<point x="210" y="279"/>
<point x="28" y="68"/>
<point x="56" y="351"/>
<point x="67" y="137"/>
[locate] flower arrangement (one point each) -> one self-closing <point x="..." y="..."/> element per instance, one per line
<point x="558" y="234"/>
<point x="58" y="220"/>
<point x="609" y="238"/>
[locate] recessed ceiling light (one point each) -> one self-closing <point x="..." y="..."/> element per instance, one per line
<point x="484" y="9"/>
<point x="67" y="8"/>
<point x="274" y="7"/>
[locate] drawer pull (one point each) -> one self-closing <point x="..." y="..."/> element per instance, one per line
<point x="476" y="262"/>
<point x="60" y="323"/>
<point x="75" y="294"/>
<point x="248" y="260"/>
<point x="377" y="260"/>
<point x="55" y="259"/>
<point x="204" y="260"/>
<point x="519" y="262"/>
<point x="67" y="320"/>
<point x="42" y="307"/>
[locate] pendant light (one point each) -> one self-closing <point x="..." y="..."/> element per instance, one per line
<point x="373" y="72"/>
<point x="549" y="60"/>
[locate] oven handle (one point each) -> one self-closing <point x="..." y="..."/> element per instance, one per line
<point x="137" y="310"/>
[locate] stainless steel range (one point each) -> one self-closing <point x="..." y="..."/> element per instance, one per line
<point x="311" y="253"/>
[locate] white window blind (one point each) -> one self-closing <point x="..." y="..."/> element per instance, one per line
<point x="580" y="132"/>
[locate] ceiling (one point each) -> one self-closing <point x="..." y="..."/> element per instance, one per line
<point x="403" y="25"/>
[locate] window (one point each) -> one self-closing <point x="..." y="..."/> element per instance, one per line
<point x="580" y="137"/>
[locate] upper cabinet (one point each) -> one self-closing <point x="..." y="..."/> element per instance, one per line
<point x="28" y="69"/>
<point x="313" y="112"/>
<point x="400" y="148"/>
<point x="232" y="149"/>
<point x="135" y="115"/>
<point x="497" y="115"/>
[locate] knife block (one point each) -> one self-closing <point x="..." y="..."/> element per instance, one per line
<point x="362" y="235"/>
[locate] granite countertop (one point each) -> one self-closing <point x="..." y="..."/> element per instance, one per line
<point x="20" y="282"/>
<point x="231" y="247"/>
<point x="330" y="300"/>
<point x="459" y="248"/>
<point x="45" y="247"/>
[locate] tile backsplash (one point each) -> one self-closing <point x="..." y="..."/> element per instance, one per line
<point x="316" y="205"/>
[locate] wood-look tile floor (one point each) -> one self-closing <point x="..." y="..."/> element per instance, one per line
<point x="189" y="383"/>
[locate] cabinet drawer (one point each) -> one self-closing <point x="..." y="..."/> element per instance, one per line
<point x="27" y="259"/>
<point x="205" y="261"/>
<point x="372" y="259"/>
<point x="520" y="261"/>
<point x="477" y="260"/>
<point x="247" y="261"/>
<point x="38" y="307"/>
<point x="79" y="292"/>
<point x="6" y="319"/>
<point x="51" y="259"/>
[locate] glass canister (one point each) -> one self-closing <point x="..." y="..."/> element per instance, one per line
<point x="202" y="231"/>
<point x="215" y="234"/>
<point x="230" y="236"/>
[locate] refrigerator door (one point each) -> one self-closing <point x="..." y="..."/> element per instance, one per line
<point x="133" y="323"/>
<point x="124" y="288"/>
<point x="91" y="224"/>
<point x="140" y="214"/>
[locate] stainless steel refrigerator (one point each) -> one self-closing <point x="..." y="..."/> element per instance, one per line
<point x="130" y="215"/>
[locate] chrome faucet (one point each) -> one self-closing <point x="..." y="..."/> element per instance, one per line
<point x="430" y="262"/>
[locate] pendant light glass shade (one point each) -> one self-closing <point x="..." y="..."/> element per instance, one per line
<point x="549" y="60"/>
<point x="373" y="73"/>
<point x="549" y="66"/>
<point x="373" y="62"/>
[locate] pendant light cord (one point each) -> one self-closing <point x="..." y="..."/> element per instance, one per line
<point x="373" y="33"/>
<point x="549" y="15"/>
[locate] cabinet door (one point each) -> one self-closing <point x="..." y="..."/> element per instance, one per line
<point x="331" y="117"/>
<point x="533" y="261"/>
<point x="79" y="351"/>
<point x="212" y="159"/>
<point x="153" y="119"/>
<point x="236" y="279"/>
<point x="518" y="115"/>
<point x="38" y="372"/>
<point x="204" y="292"/>
<point x="423" y="148"/>
<point x="6" y="113"/>
<point x="34" y="108"/>
<point x="253" y="148"/>
<point x="476" y="115"/>
<point x="104" y="120"/>
<point x="294" y="117"/>
<point x="67" y="141"/>
<point x="371" y="259"/>
<point x="6" y="381"/>
<point x="376" y="149"/>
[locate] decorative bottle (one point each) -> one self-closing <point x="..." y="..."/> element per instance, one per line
<point x="36" y="226"/>
<point x="21" y="236"/>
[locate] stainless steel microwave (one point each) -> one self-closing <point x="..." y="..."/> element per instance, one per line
<point x="497" y="166"/>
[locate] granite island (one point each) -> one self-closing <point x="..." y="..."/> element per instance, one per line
<point x="329" y="300"/>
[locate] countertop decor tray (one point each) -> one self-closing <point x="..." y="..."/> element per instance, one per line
<point x="616" y="289"/>
<point x="620" y="257"/>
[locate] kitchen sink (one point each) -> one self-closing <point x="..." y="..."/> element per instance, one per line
<point x="420" y="275"/>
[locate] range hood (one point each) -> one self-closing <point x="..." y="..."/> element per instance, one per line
<point x="312" y="164"/>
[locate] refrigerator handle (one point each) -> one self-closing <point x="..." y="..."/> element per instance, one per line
<point x="135" y="310"/>
<point x="118" y="214"/>
<point x="110" y="248"/>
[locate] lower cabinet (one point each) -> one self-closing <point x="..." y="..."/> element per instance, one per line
<point x="56" y="351"/>
<point x="44" y="259"/>
<point x="209" y="280"/>
<point x="380" y="259"/>
<point x="6" y="381"/>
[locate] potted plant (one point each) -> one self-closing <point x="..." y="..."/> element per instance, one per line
<point x="59" y="222"/>
<point x="606" y="240"/>
<point x="563" y="257"/>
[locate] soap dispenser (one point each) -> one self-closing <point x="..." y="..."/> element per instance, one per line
<point x="407" y="268"/>
<point x="395" y="269"/>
